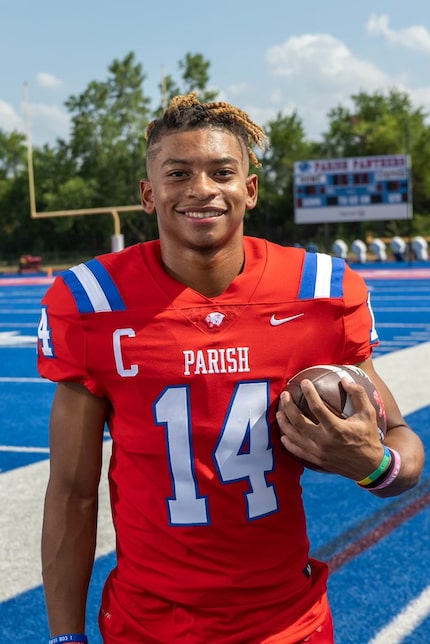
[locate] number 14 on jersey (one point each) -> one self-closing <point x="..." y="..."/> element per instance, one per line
<point x="242" y="452"/>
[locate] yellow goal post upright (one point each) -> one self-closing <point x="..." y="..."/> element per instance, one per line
<point x="117" y="239"/>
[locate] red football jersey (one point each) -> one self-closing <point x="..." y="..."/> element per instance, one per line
<point x="206" y="502"/>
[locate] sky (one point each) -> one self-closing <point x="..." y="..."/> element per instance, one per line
<point x="269" y="57"/>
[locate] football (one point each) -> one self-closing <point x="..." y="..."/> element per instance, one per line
<point x="327" y="381"/>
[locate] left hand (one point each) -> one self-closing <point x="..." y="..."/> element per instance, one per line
<point x="350" y="447"/>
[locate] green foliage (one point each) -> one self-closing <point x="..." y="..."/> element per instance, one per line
<point x="102" y="162"/>
<point x="12" y="154"/>
<point x="274" y="216"/>
<point x="194" y="75"/>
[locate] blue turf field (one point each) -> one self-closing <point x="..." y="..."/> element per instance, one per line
<point x="378" y="550"/>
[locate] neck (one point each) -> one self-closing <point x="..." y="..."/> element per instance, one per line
<point x="209" y="273"/>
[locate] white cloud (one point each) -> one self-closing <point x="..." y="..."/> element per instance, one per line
<point x="238" y="89"/>
<point x="320" y="72"/>
<point x="276" y="96"/>
<point x="323" y="60"/>
<point x="48" y="80"/>
<point x="420" y="96"/>
<point x="416" y="37"/>
<point x="9" y="119"/>
<point x="260" y="115"/>
<point x="47" y="123"/>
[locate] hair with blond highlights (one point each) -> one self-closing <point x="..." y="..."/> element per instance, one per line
<point x="185" y="112"/>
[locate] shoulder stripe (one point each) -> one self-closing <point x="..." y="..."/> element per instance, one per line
<point x="337" y="273"/>
<point x="107" y="284"/>
<point x="93" y="288"/>
<point x="306" y="286"/>
<point x="82" y="301"/>
<point x="321" y="276"/>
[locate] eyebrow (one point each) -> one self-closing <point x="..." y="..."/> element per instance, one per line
<point x="218" y="161"/>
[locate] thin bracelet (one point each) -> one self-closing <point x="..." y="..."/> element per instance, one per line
<point x="69" y="637"/>
<point x="394" y="473"/>
<point x="382" y="467"/>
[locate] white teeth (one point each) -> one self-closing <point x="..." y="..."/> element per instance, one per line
<point x="203" y="215"/>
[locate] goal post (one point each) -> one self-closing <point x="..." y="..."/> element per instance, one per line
<point x="117" y="239"/>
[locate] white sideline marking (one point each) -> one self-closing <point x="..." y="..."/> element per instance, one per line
<point x="21" y="524"/>
<point x="406" y="621"/>
<point x="29" y="450"/>
<point x="407" y="374"/>
<point x="12" y="338"/>
<point x="37" y="380"/>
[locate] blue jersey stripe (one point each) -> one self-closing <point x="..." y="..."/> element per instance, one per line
<point x="82" y="301"/>
<point x="322" y="276"/>
<point x="93" y="288"/>
<point x="309" y="272"/>
<point x="338" y="271"/>
<point x="107" y="284"/>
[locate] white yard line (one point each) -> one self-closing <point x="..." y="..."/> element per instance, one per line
<point x="406" y="621"/>
<point x="407" y="374"/>
<point x="22" y="493"/>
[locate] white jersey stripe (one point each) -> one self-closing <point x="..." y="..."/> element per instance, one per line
<point x="323" y="275"/>
<point x="92" y="288"/>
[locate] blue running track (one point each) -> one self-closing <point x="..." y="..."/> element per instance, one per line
<point x="378" y="550"/>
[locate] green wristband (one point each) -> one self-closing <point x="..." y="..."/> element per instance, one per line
<point x="383" y="465"/>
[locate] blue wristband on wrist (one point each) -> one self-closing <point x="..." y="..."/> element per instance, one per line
<point x="69" y="637"/>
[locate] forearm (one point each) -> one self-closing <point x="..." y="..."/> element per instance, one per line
<point x="68" y="547"/>
<point x="410" y="449"/>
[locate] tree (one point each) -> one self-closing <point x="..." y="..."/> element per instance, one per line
<point x="12" y="154"/>
<point x="194" y="76"/>
<point x="380" y="124"/>
<point x="274" y="215"/>
<point x="104" y="159"/>
<point x="13" y="191"/>
<point x="107" y="140"/>
<point x="108" y="125"/>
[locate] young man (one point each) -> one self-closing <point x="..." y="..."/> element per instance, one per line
<point x="183" y="346"/>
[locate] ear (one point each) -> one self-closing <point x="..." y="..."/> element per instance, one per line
<point x="252" y="190"/>
<point x="147" y="196"/>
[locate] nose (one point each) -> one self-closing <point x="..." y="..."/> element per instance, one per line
<point x="202" y="186"/>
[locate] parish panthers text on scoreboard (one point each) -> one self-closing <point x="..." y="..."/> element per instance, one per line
<point x="352" y="189"/>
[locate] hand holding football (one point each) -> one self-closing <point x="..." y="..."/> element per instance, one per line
<point x="327" y="381"/>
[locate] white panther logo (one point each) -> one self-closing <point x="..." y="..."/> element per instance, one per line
<point x="214" y="319"/>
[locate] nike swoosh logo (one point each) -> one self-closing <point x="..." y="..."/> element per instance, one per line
<point x="277" y="321"/>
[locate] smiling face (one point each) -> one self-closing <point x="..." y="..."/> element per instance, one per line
<point x="198" y="185"/>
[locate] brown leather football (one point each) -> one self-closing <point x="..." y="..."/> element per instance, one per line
<point x="327" y="381"/>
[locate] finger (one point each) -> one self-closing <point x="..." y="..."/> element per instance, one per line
<point x="290" y="413"/>
<point x="361" y="404"/>
<point x="316" y="404"/>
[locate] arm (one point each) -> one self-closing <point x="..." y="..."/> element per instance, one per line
<point x="351" y="447"/>
<point x="70" y="514"/>
<point x="399" y="436"/>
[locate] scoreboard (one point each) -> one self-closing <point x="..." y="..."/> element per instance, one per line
<point x="352" y="189"/>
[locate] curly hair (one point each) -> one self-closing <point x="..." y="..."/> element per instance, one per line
<point x="185" y="112"/>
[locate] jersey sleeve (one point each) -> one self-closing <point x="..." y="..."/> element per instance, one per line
<point x="61" y="346"/>
<point x="359" y="322"/>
